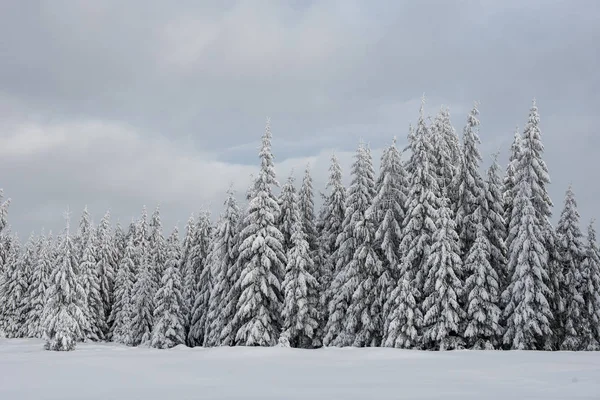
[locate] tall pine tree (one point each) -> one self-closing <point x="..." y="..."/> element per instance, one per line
<point x="222" y="266"/>
<point x="39" y="286"/>
<point x="590" y="291"/>
<point x="262" y="259"/>
<point x="105" y="266"/>
<point x="168" y="314"/>
<point x="471" y="192"/>
<point x="64" y="318"/>
<point x="388" y="213"/>
<point x="331" y="219"/>
<point x="346" y="280"/>
<point x="482" y="289"/>
<point x="442" y="312"/>
<point x="289" y="212"/>
<point x="122" y="311"/>
<point x="571" y="248"/>
<point x="300" y="318"/>
<point x="527" y="309"/>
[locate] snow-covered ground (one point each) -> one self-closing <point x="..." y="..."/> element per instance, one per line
<point x="110" y="372"/>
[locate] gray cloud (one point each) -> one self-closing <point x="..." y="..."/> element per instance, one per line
<point x="119" y="104"/>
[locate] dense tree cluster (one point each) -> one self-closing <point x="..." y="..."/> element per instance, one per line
<point x="430" y="253"/>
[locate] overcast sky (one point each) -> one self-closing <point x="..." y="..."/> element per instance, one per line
<point x="119" y="104"/>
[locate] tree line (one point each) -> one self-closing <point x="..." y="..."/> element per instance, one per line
<point x="427" y="254"/>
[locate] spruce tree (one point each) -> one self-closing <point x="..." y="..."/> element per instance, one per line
<point x="509" y="188"/>
<point x="363" y="325"/>
<point x="122" y="311"/>
<point x="300" y="318"/>
<point x="494" y="223"/>
<point x="262" y="259"/>
<point x="232" y="324"/>
<point x="442" y="312"/>
<point x="223" y="262"/>
<point x="482" y="290"/>
<point x="84" y="231"/>
<point x="187" y="272"/>
<point x="404" y="318"/>
<point x="26" y="264"/>
<point x="307" y="210"/>
<point x="39" y="286"/>
<point x="90" y="280"/>
<point x="346" y="281"/>
<point x="471" y="191"/>
<point x="64" y="318"/>
<point x="331" y="219"/>
<point x="199" y="313"/>
<point x="3" y="210"/>
<point x="105" y="266"/>
<point x="120" y="243"/>
<point x="156" y="247"/>
<point x="13" y="292"/>
<point x="423" y="201"/>
<point x="530" y="297"/>
<point x="143" y="303"/>
<point x="448" y="154"/>
<point x="289" y="212"/>
<point x="199" y="260"/>
<point x="571" y="248"/>
<point x="590" y="291"/>
<point x="168" y="314"/>
<point x="388" y="213"/>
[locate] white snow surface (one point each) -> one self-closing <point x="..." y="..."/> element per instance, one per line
<point x="109" y="371"/>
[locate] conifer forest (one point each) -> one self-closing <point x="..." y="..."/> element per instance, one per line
<point x="429" y="253"/>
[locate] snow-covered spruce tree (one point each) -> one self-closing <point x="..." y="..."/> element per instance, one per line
<point x="122" y="311"/>
<point x="509" y="188"/>
<point x="39" y="285"/>
<point x="262" y="260"/>
<point x="482" y="290"/>
<point x="232" y="324"/>
<point x="199" y="313"/>
<point x="90" y="280"/>
<point x="143" y="303"/>
<point x="105" y="266"/>
<point x="590" y="291"/>
<point x="494" y="224"/>
<point x="571" y="249"/>
<point x="307" y="210"/>
<point x="404" y="318"/>
<point x="443" y="315"/>
<point x="64" y="318"/>
<point x="423" y="201"/>
<point x="300" y="318"/>
<point x="471" y="191"/>
<point x="13" y="292"/>
<point x="3" y="210"/>
<point x="168" y="314"/>
<point x="346" y="281"/>
<point x="527" y="309"/>
<point x="120" y="243"/>
<point x="200" y="260"/>
<point x="388" y="213"/>
<point x="81" y="236"/>
<point x="329" y="226"/>
<point x="222" y="265"/>
<point x="448" y="154"/>
<point x="26" y="264"/>
<point x="534" y="288"/>
<point x="289" y="212"/>
<point x="363" y="325"/>
<point x="187" y="272"/>
<point x="156" y="247"/>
